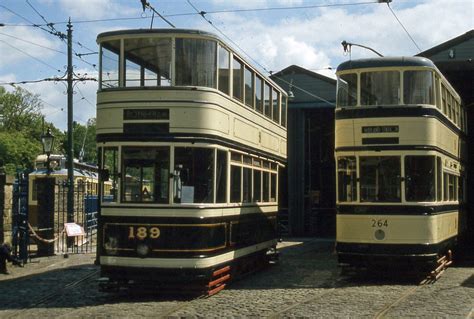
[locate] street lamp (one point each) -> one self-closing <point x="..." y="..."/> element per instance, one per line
<point x="48" y="141"/>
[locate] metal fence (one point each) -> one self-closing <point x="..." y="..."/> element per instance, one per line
<point x="57" y="231"/>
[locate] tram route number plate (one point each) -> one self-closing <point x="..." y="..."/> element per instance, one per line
<point x="380" y="129"/>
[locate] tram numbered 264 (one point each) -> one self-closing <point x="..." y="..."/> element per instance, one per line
<point x="400" y="151"/>
<point x="192" y="139"/>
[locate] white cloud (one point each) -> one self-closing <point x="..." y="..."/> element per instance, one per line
<point x="16" y="48"/>
<point x="97" y="9"/>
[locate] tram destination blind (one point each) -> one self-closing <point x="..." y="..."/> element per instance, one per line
<point x="380" y="129"/>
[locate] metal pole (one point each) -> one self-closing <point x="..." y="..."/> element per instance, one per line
<point x="70" y="154"/>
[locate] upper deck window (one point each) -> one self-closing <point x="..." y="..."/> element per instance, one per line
<point x="267" y="102"/>
<point x="259" y="94"/>
<point x="110" y="64"/>
<point x="347" y="90"/>
<point x="418" y="87"/>
<point x="249" y="81"/>
<point x="380" y="88"/>
<point x="224" y="70"/>
<point x="196" y="62"/>
<point x="237" y="77"/>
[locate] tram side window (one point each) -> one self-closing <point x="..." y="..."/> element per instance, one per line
<point x="420" y="178"/>
<point x="224" y="70"/>
<point x="284" y="103"/>
<point x="249" y="84"/>
<point x="145" y="175"/>
<point x="259" y="94"/>
<point x="221" y="177"/>
<point x="380" y="88"/>
<point x="276" y="106"/>
<point x="148" y="62"/>
<point x="257" y="185"/>
<point x="193" y="175"/>
<point x="439" y="179"/>
<point x="110" y="64"/>
<point x="196" y="62"/>
<point x="110" y="165"/>
<point x="235" y="184"/>
<point x="418" y="87"/>
<point x="347" y="179"/>
<point x="347" y="90"/>
<point x="380" y="179"/>
<point x="237" y="69"/>
<point x="273" y="187"/>
<point x="247" y="185"/>
<point x="267" y="102"/>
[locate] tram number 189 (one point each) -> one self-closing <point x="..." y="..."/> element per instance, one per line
<point x="143" y="232"/>
<point x="379" y="223"/>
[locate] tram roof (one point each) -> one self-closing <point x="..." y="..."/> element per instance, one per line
<point x="126" y="32"/>
<point x="385" y="62"/>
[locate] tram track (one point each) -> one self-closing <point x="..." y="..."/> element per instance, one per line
<point x="44" y="300"/>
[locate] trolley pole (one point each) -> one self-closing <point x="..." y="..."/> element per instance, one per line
<point x="70" y="147"/>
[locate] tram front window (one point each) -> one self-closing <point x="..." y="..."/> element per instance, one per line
<point x="145" y="174"/>
<point x="420" y="178"/>
<point x="347" y="90"/>
<point x="380" y="179"/>
<point x="418" y="87"/>
<point x="110" y="64"/>
<point x="193" y="175"/>
<point x="380" y="88"/>
<point x="196" y="62"/>
<point x="347" y="179"/>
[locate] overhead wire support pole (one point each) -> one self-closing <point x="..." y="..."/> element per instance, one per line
<point x="70" y="144"/>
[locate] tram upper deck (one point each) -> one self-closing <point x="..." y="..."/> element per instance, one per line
<point x="171" y="82"/>
<point x="394" y="101"/>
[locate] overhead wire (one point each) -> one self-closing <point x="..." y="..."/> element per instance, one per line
<point x="255" y="61"/>
<point x="31" y="56"/>
<point x="401" y="24"/>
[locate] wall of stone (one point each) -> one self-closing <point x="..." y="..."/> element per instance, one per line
<point x="6" y="203"/>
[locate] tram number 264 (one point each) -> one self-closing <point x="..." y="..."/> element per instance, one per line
<point x="143" y="232"/>
<point x="379" y="223"/>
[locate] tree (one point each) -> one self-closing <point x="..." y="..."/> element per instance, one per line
<point x="21" y="129"/>
<point x="84" y="141"/>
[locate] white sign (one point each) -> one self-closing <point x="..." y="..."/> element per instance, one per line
<point x="73" y="230"/>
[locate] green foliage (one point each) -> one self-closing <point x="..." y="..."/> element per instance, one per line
<point x="21" y="128"/>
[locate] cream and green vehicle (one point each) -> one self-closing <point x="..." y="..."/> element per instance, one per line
<point x="400" y="151"/>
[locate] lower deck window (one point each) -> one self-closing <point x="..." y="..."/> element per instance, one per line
<point x="380" y="179"/>
<point x="145" y="174"/>
<point x="347" y="179"/>
<point x="420" y="179"/>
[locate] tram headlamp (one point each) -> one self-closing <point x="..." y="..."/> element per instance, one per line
<point x="143" y="250"/>
<point x="111" y="245"/>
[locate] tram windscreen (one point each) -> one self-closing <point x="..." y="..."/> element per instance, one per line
<point x="195" y="167"/>
<point x="146" y="174"/>
<point x="347" y="90"/>
<point x="347" y="179"/>
<point x="380" y="88"/>
<point x="196" y="62"/>
<point x="418" y="87"/>
<point x="420" y="178"/>
<point x="110" y="64"/>
<point x="380" y="179"/>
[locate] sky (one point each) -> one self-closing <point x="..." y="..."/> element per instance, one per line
<point x="274" y="33"/>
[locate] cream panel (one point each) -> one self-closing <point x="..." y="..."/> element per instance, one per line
<point x="270" y="141"/>
<point x="394" y="229"/>
<point x="185" y="262"/>
<point x="109" y="120"/>
<point x="246" y="132"/>
<point x="195" y="119"/>
<point x="283" y="147"/>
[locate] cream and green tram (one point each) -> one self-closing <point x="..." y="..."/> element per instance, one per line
<point x="400" y="151"/>
<point x="192" y="139"/>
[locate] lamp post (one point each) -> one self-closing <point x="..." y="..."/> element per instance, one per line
<point x="48" y="141"/>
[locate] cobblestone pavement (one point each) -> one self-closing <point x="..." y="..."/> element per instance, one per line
<point x="305" y="283"/>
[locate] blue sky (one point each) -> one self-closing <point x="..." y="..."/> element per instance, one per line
<point x="309" y="37"/>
